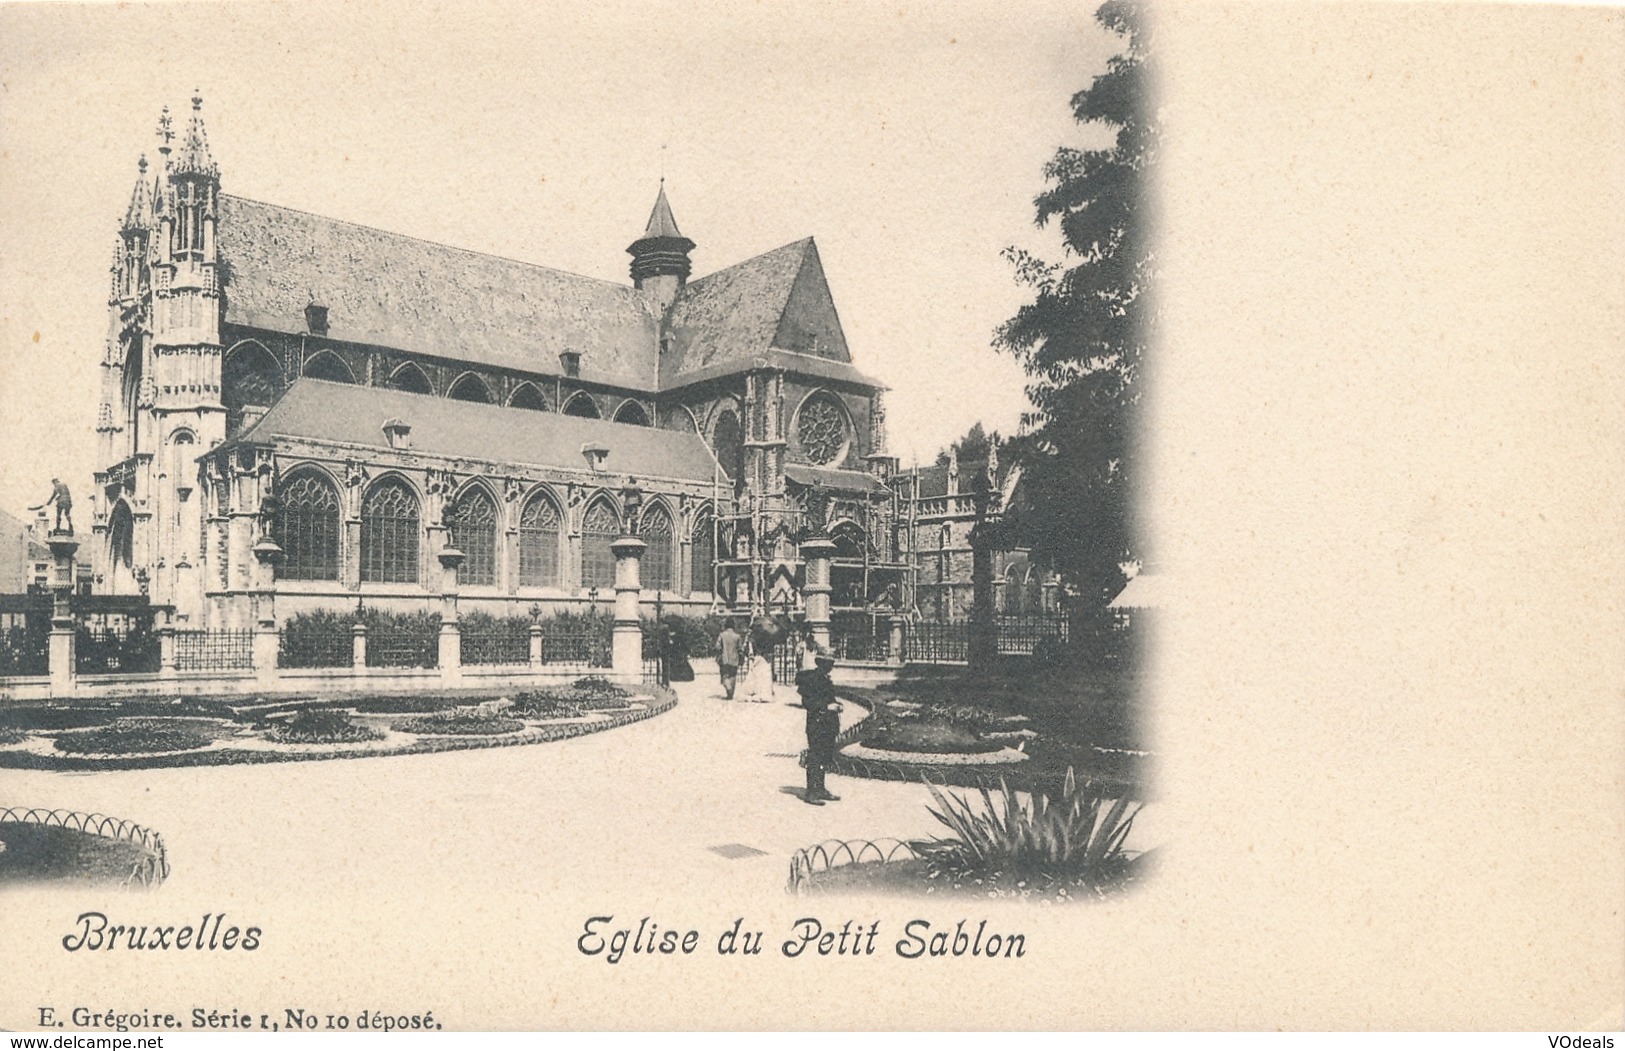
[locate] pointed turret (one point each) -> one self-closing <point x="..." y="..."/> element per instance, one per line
<point x="660" y="260"/>
<point x="139" y="215"/>
<point x="194" y="158"/>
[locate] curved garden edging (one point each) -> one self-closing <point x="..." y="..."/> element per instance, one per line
<point x="835" y="853"/>
<point x="148" y="874"/>
<point x="426" y="744"/>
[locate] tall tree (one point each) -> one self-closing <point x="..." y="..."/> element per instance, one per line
<point x="1082" y="338"/>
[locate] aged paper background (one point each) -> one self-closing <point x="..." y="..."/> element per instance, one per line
<point x="1388" y="434"/>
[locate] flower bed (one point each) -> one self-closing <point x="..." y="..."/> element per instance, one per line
<point x="323" y="726"/>
<point x="474" y="724"/>
<point x="135" y="736"/>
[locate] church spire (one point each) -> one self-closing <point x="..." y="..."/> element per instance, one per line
<point x="660" y="257"/>
<point x="139" y="215"/>
<point x="194" y="156"/>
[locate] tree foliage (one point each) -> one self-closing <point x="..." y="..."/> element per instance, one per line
<point x="1082" y="337"/>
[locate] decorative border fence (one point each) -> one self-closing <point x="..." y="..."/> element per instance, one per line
<point x="583" y="647"/>
<point x="937" y="642"/>
<point x="496" y="642"/>
<point x="25" y="634"/>
<point x="214" y="650"/>
<point x="148" y="874"/>
<point x="834" y="853"/>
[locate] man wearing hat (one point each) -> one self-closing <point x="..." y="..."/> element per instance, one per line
<point x="823" y="723"/>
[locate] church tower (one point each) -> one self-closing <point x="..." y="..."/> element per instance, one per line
<point x="161" y="405"/>
<point x="660" y="264"/>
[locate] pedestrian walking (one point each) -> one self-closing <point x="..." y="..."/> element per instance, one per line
<point x="730" y="649"/>
<point x="823" y="725"/>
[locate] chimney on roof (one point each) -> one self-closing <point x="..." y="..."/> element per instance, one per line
<point x="316" y="319"/>
<point x="398" y="433"/>
<point x="570" y="362"/>
<point x="660" y="264"/>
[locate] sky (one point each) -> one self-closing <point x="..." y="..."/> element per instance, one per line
<point x="908" y="139"/>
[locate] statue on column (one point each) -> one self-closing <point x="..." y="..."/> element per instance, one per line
<point x="64" y="506"/>
<point x="631" y="503"/>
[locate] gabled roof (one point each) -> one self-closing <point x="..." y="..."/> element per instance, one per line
<point x="777" y="301"/>
<point x="397" y="291"/>
<point x="355" y="415"/>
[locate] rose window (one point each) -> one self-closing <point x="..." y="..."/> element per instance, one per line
<point x="821" y="429"/>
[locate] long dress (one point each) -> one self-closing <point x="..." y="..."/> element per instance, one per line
<point x="758" y="684"/>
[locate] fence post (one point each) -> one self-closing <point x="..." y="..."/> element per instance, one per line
<point x="898" y="621"/>
<point x="166" y="646"/>
<point x="451" y="636"/>
<point x="817" y="553"/>
<point x="535" y="647"/>
<point x="264" y="660"/>
<point x="626" y="637"/>
<point x="64" y="632"/>
<point x="358" y="647"/>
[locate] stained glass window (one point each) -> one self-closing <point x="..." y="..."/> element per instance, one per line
<point x="703" y="553"/>
<point x="307" y="527"/>
<point x="821" y="430"/>
<point x="390" y="541"/>
<point x="539" y="544"/>
<point x="599" y="528"/>
<point x="658" y="557"/>
<point x="472" y="521"/>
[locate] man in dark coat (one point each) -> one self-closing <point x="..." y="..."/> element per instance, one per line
<point x="823" y="724"/>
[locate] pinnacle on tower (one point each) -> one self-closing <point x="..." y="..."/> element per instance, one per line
<point x="662" y="250"/>
<point x="139" y="214"/>
<point x="194" y="156"/>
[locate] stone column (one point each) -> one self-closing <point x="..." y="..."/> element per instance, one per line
<point x="358" y="647"/>
<point x="817" y="553"/>
<point x="451" y="636"/>
<point x="535" y="647"/>
<point x="63" y="630"/>
<point x="626" y="639"/>
<point x="166" y="645"/>
<point x="897" y="623"/>
<point x="267" y="556"/>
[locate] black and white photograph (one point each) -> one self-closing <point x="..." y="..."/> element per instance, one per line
<point x="821" y="516"/>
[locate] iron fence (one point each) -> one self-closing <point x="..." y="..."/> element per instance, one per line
<point x="115" y="642"/>
<point x="860" y="637"/>
<point x="937" y="642"/>
<point x="311" y="649"/>
<point x="500" y="642"/>
<point x="583" y="647"/>
<point x="1023" y="636"/>
<point x="150" y="872"/>
<point x="408" y="645"/>
<point x="214" y="650"/>
<point x="25" y="634"/>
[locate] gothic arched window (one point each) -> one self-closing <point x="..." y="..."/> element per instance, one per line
<point x="583" y="406"/>
<point x="470" y="387"/>
<point x="411" y="379"/>
<point x="728" y="441"/>
<point x="472" y="522"/>
<point x="599" y="528"/>
<point x="307" y="527"/>
<point x="848" y="540"/>
<point x="631" y="412"/>
<point x="526" y="396"/>
<point x="539" y="543"/>
<point x="327" y="365"/>
<point x="702" y="554"/>
<point x="390" y="538"/>
<point x="658" y="557"/>
<point x="251" y="375"/>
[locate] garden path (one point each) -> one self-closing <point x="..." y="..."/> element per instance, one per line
<point x="640" y="807"/>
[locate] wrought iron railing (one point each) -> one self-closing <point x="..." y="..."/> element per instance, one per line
<point x="25" y="635"/>
<point x="115" y="643"/>
<point x="937" y="642"/>
<point x="405" y="647"/>
<point x="1022" y="636"/>
<point x="311" y="649"/>
<point x="583" y="647"/>
<point x="499" y="642"/>
<point x="214" y="650"/>
<point x="148" y="873"/>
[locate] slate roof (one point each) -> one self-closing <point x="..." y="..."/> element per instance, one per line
<point x="352" y="414"/>
<point x="779" y="300"/>
<point x="397" y="291"/>
<point x="833" y="478"/>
